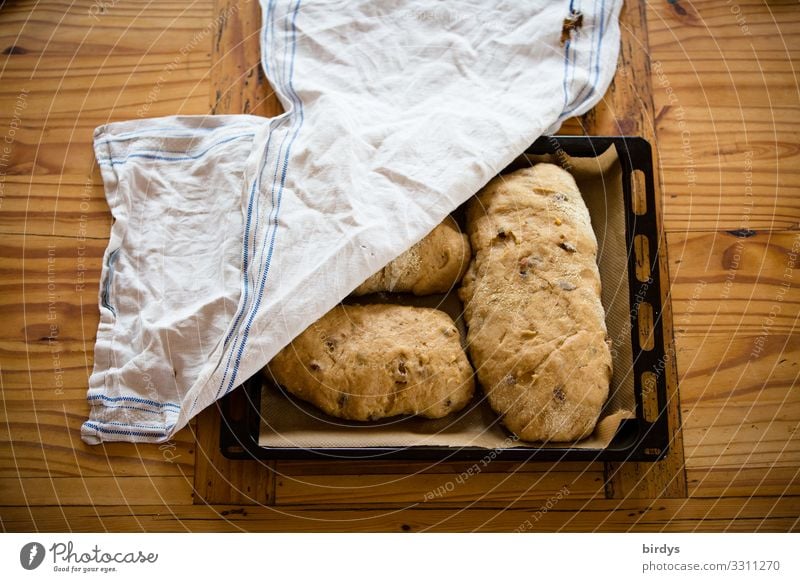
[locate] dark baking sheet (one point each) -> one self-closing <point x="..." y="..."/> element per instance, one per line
<point x="643" y="438"/>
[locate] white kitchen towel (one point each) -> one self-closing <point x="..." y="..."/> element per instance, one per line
<point x="232" y="234"/>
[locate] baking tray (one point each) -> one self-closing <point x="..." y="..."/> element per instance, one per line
<point x="645" y="437"/>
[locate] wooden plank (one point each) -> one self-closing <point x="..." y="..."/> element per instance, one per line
<point x="725" y="482"/>
<point x="743" y="175"/>
<point x="767" y="438"/>
<point x="380" y="467"/>
<point x="43" y="406"/>
<point x="48" y="287"/>
<point x="741" y="415"/>
<point x="433" y="483"/>
<point x="725" y="102"/>
<point x="238" y="83"/>
<point x="45" y="370"/>
<point x="237" y="86"/>
<point x="63" y="205"/>
<point x="472" y="487"/>
<point x="70" y="81"/>
<point x="738" y="355"/>
<point x="627" y="109"/>
<point x="674" y="26"/>
<point x="46" y="351"/>
<point x="44" y="441"/>
<point x="743" y="284"/>
<point x="738" y="371"/>
<point x="67" y="90"/>
<point x="218" y="480"/>
<point x="61" y="143"/>
<point x="758" y="514"/>
<point x="737" y="378"/>
<point x="572" y="126"/>
<point x="737" y="84"/>
<point x="96" y="491"/>
<point x="124" y="28"/>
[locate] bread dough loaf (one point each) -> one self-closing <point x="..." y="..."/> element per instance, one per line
<point x="433" y="265"/>
<point x="537" y="333"/>
<point x="365" y="362"/>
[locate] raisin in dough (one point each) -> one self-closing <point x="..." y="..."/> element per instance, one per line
<point x="433" y="265"/>
<point x="537" y="333"/>
<point x="365" y="362"/>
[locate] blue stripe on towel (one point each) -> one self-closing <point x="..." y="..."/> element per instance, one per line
<point x="276" y="206"/>
<point x="153" y="155"/>
<point x="596" y="58"/>
<point x="245" y="271"/>
<point x="135" y="425"/>
<point x="137" y="408"/>
<point x="136" y="399"/>
<point x="143" y="132"/>
<point x="97" y="427"/>
<point x="567" y="62"/>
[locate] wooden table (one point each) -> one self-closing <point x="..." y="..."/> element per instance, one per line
<point x="710" y="83"/>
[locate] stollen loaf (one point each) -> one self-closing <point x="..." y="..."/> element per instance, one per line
<point x="367" y="362"/>
<point x="536" y="326"/>
<point x="434" y="265"/>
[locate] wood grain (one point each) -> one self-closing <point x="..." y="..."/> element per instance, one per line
<point x="741" y="431"/>
<point x="48" y="287"/>
<point x="46" y="343"/>
<point x="627" y="109"/>
<point x="739" y="359"/>
<point x="124" y="28"/>
<point x="65" y="73"/>
<point x="45" y="442"/>
<point x="82" y="490"/>
<point x="378" y="467"/>
<point x="763" y="514"/>
<point x="68" y="74"/>
<point x="726" y="101"/>
<point x="475" y="487"/>
<point x="61" y="205"/>
<point x="725" y="284"/>
<point x="218" y="480"/>
<point x="238" y="83"/>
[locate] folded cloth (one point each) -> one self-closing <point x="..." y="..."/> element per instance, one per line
<point x="233" y="234"/>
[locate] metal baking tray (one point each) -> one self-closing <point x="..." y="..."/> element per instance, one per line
<point x="642" y="438"/>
